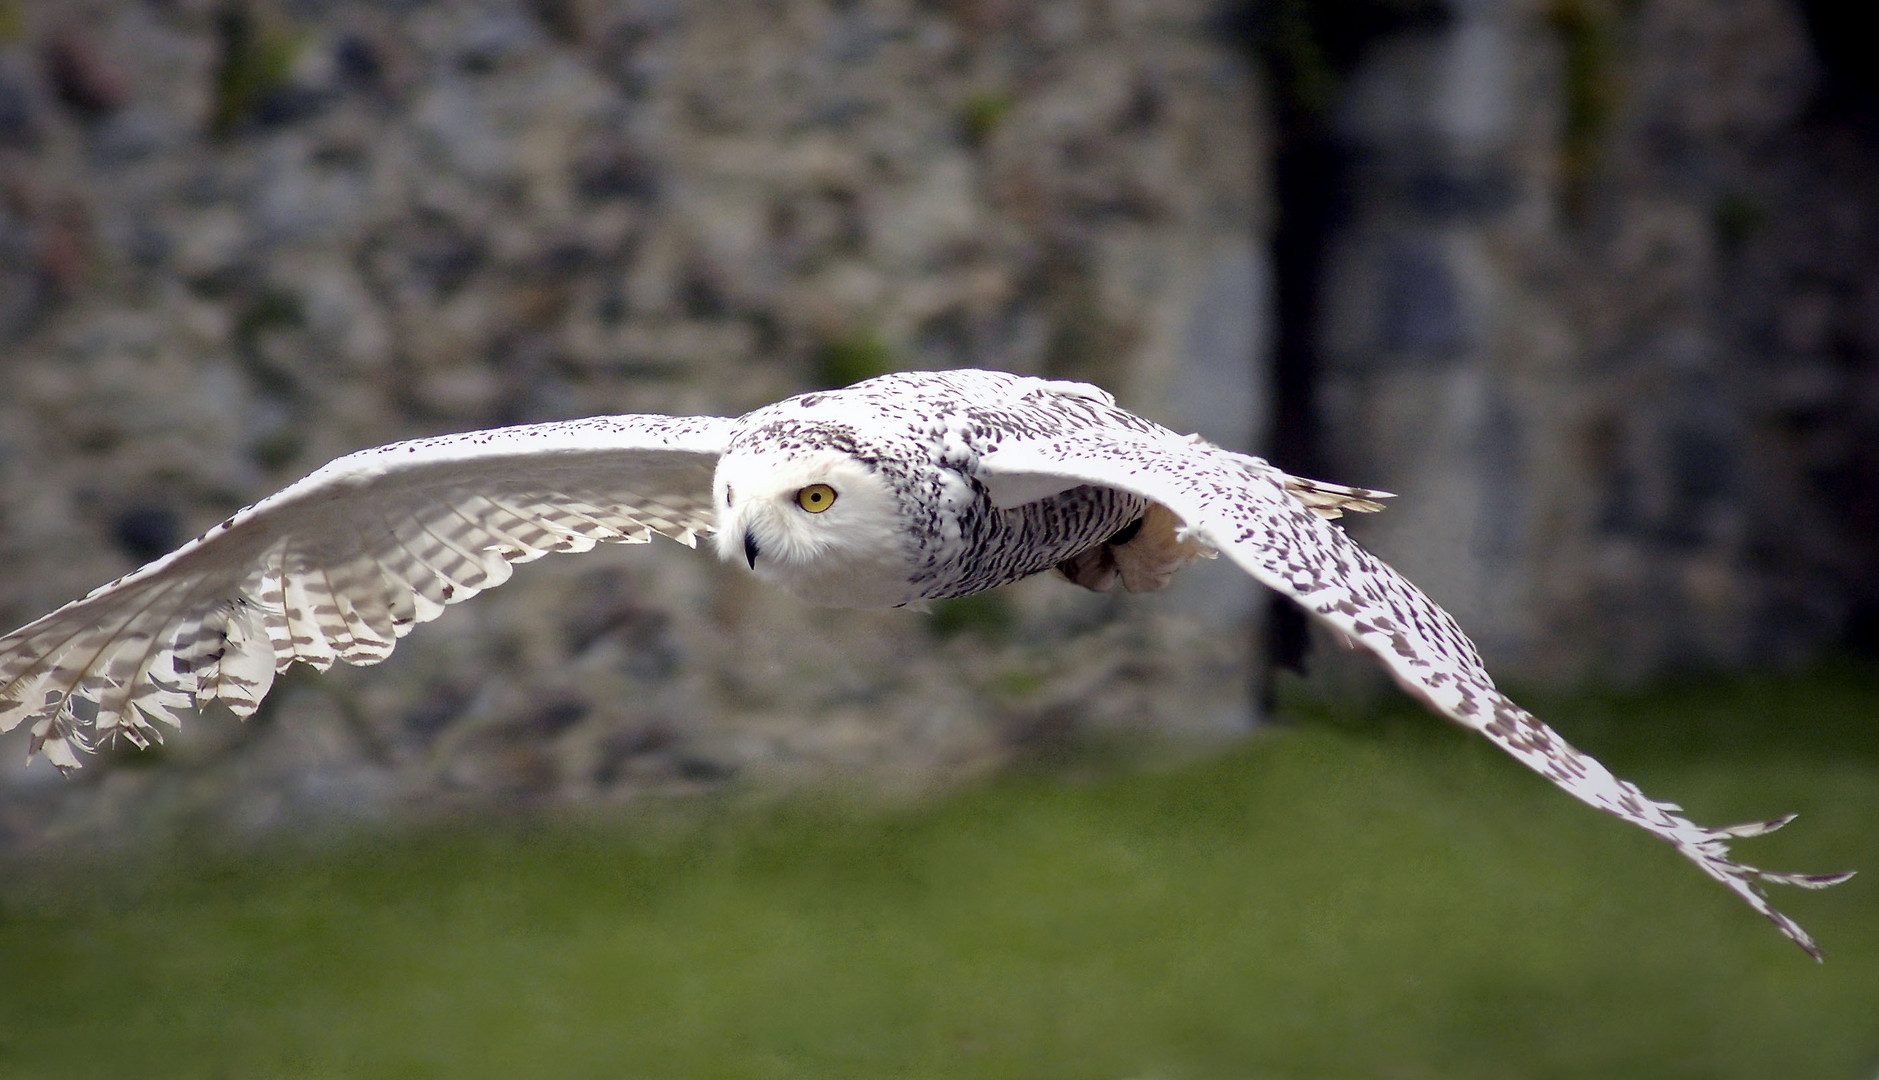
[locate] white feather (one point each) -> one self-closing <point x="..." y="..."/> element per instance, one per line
<point x="1243" y="506"/>
<point x="342" y="564"/>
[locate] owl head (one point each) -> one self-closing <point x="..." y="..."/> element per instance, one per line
<point x="821" y="524"/>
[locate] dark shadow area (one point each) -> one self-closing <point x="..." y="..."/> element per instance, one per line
<point x="1307" y="50"/>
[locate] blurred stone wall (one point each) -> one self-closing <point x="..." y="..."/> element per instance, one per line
<point x="1605" y="313"/>
<point x="241" y="237"/>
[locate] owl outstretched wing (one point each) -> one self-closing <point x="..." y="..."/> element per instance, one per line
<point x="1241" y="506"/>
<point x="342" y="564"/>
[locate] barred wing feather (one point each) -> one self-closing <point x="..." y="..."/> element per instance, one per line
<point x="1242" y="506"/>
<point x="342" y="564"/>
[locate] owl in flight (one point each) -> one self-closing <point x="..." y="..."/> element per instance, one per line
<point x="894" y="492"/>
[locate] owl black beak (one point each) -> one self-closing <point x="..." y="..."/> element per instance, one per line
<point x="750" y="548"/>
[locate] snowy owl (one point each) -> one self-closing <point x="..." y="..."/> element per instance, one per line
<point x="893" y="492"/>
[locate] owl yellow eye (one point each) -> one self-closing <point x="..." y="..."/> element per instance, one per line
<point x="816" y="498"/>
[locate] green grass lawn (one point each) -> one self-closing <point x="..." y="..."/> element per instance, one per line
<point x="1370" y="896"/>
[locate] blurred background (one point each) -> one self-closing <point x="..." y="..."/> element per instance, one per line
<point x="1592" y="285"/>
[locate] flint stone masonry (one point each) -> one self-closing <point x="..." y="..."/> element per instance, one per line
<point x="243" y="238"/>
<point x="1566" y="356"/>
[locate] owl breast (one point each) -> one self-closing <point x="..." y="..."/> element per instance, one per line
<point x="995" y="547"/>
